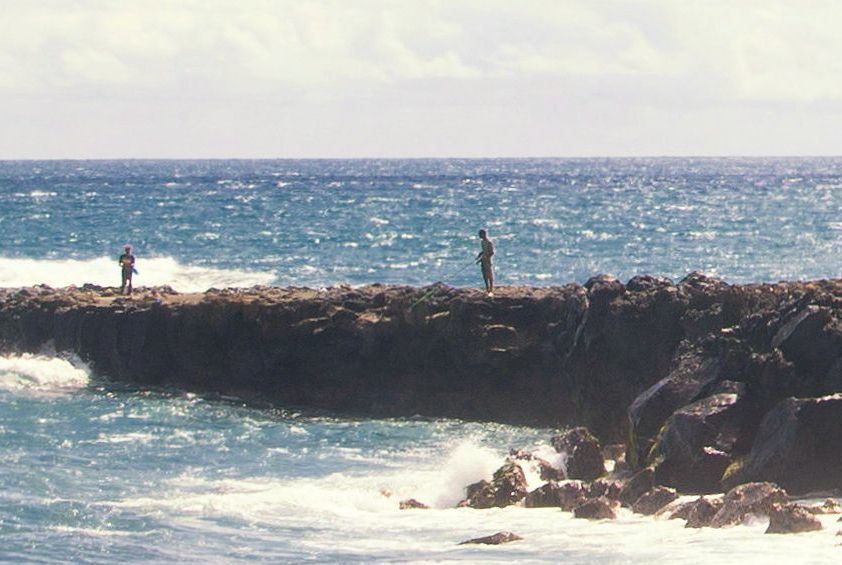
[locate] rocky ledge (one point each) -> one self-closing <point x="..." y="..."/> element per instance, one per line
<point x="710" y="385"/>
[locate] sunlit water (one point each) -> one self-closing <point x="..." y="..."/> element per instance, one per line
<point x="93" y="472"/>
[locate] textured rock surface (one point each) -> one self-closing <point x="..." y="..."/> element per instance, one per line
<point x="751" y="498"/>
<point x="650" y="502"/>
<point x="791" y="519"/>
<point x="494" y="539"/>
<point x="621" y="359"/>
<point x="584" y="455"/>
<point x="508" y="486"/>
<point x="597" y="509"/>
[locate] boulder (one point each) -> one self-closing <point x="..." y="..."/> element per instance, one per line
<point x="791" y="519"/>
<point x="584" y="456"/>
<point x="411" y="503"/>
<point x="702" y="512"/>
<point x="743" y="500"/>
<point x="597" y="509"/>
<point x="795" y="447"/>
<point x="640" y="483"/>
<point x="693" y="370"/>
<point x="545" y="496"/>
<point x="829" y="506"/>
<point x="508" y="486"/>
<point x="567" y="495"/>
<point x="650" y="502"/>
<point x="694" y="447"/>
<point x="608" y="488"/>
<point x="494" y="539"/>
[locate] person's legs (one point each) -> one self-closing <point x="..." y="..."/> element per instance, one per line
<point x="123" y="283"/>
<point x="488" y="276"/>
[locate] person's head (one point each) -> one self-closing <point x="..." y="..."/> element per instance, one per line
<point x="482" y="234"/>
<point x="128" y="248"/>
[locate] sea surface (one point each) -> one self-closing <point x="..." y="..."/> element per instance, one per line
<point x="93" y="471"/>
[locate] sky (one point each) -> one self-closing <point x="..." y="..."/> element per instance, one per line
<point x="418" y="78"/>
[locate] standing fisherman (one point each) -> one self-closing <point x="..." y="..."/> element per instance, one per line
<point x="484" y="260"/>
<point x="126" y="262"/>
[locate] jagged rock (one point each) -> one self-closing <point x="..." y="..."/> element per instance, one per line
<point x="640" y="483"/>
<point x="597" y="509"/>
<point x="694" y="448"/>
<point x="794" y="447"/>
<point x="694" y="370"/>
<point x="751" y="498"/>
<point x="791" y="519"/>
<point x="411" y="503"/>
<point x="651" y="502"/>
<point x="584" y="456"/>
<point x="545" y="496"/>
<point x="494" y="539"/>
<point x="829" y="506"/>
<point x="608" y="488"/>
<point x="508" y="486"/>
<point x="647" y="282"/>
<point x="567" y="495"/>
<point x="702" y="513"/>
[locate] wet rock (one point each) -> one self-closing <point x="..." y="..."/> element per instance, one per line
<point x="608" y="488"/>
<point x="743" y="500"/>
<point x="651" y="502"/>
<point x="411" y="503"/>
<point x="829" y="506"/>
<point x="640" y="483"/>
<point x="545" y="496"/>
<point x="701" y="514"/>
<point x="584" y="456"/>
<point x="597" y="509"/>
<point x="791" y="519"/>
<point x="508" y="486"/>
<point x="647" y="282"/>
<point x="795" y="447"/>
<point x="494" y="539"/>
<point x="694" y="448"/>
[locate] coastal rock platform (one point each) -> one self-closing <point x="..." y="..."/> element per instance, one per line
<point x="688" y="374"/>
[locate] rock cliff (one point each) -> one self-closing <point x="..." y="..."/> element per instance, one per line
<point x="685" y="372"/>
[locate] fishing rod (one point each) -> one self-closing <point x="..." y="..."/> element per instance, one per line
<point x="432" y="290"/>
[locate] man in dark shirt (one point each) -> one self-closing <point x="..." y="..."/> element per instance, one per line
<point x="126" y="262"/>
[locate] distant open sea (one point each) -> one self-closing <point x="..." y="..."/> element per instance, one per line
<point x="94" y="472"/>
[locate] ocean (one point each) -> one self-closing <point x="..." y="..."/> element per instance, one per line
<point x="93" y="471"/>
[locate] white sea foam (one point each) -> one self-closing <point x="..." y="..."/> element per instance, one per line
<point x="41" y="375"/>
<point x="153" y="271"/>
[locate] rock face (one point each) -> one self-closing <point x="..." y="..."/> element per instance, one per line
<point x="494" y="539"/>
<point x="508" y="486"/>
<point x="797" y="446"/>
<point x="584" y="455"/>
<point x="791" y="519"/>
<point x="751" y="498"/>
<point x="638" y="485"/>
<point x="567" y="495"/>
<point x="693" y="376"/>
<point x="597" y="509"/>
<point x="652" y="501"/>
<point x="695" y="445"/>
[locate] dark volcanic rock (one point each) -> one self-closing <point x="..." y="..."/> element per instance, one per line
<point x="639" y="484"/>
<point x="609" y="488"/>
<point x="650" y="502"/>
<point x="829" y="506"/>
<point x="584" y="456"/>
<point x="701" y="514"/>
<point x="751" y="498"/>
<point x="567" y="495"/>
<point x="693" y="371"/>
<point x="508" y="486"/>
<point x="411" y="503"/>
<point x="796" y="447"/>
<point x="597" y="509"/>
<point x="494" y="539"/>
<point x="695" y="445"/>
<point x="791" y="519"/>
<point x="545" y="496"/>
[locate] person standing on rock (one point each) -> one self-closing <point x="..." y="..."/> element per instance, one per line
<point x="126" y="262"/>
<point x="484" y="260"/>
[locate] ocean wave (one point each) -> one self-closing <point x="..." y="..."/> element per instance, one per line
<point x="40" y="374"/>
<point x="103" y="271"/>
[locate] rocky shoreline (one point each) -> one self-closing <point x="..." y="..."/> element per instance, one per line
<point x="709" y="385"/>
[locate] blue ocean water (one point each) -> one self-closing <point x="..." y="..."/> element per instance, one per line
<point x="321" y="222"/>
<point x="94" y="472"/>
